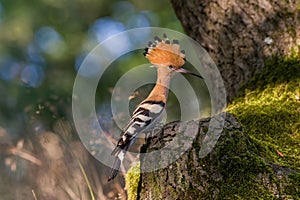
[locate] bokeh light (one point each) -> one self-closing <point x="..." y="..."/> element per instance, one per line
<point x="9" y="68"/>
<point x="49" y="41"/>
<point x="32" y="75"/>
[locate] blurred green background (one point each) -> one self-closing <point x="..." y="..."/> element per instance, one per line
<point x="43" y="43"/>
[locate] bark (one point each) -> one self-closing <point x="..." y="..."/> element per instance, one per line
<point x="232" y="170"/>
<point x="241" y="35"/>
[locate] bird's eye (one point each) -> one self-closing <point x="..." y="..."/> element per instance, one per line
<point x="170" y="67"/>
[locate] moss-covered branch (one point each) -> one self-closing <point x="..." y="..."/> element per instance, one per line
<point x="257" y="154"/>
<point x="233" y="170"/>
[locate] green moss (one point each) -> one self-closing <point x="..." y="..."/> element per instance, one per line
<point x="239" y="166"/>
<point x="294" y="186"/>
<point x="156" y="188"/>
<point x="269" y="109"/>
<point x="132" y="181"/>
<point x="240" y="171"/>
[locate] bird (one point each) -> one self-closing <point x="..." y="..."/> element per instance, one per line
<point x="168" y="60"/>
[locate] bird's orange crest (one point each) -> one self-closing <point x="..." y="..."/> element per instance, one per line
<point x="162" y="52"/>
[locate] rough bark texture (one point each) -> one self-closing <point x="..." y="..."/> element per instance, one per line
<point x="241" y="35"/>
<point x="232" y="170"/>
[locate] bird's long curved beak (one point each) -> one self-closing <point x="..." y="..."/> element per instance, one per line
<point x="184" y="71"/>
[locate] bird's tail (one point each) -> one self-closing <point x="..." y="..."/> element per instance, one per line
<point x="114" y="169"/>
<point x="119" y="156"/>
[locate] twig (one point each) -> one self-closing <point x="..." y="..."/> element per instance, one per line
<point x="33" y="194"/>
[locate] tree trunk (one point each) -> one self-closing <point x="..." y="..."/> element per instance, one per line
<point x="240" y="35"/>
<point x="231" y="170"/>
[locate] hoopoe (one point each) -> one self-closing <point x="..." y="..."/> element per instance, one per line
<point x="168" y="59"/>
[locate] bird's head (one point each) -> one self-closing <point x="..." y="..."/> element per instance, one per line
<point x="166" y="55"/>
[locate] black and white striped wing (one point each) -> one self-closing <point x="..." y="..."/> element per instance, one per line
<point x="144" y="117"/>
